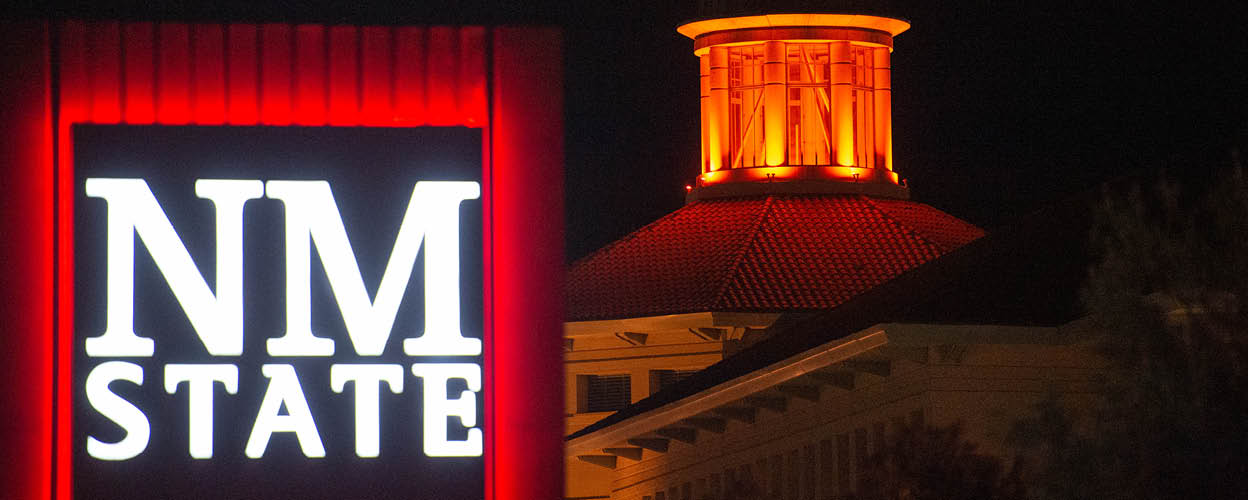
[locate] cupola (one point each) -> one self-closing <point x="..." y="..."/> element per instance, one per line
<point x="796" y="103"/>
<point x="797" y="207"/>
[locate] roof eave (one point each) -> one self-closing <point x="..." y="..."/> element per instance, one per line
<point x="902" y="337"/>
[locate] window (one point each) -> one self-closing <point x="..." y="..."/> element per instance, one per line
<point x="860" y="455"/>
<point x="603" y="393"/>
<point x="810" y="108"/>
<point x="877" y="438"/>
<point x="662" y="379"/>
<point x="826" y="469"/>
<point x="763" y="474"/>
<point x="810" y="466"/>
<point x="793" y="474"/>
<point x="745" y="106"/>
<point x="777" y="476"/>
<point x="842" y="464"/>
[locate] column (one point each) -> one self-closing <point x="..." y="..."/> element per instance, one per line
<point x="775" y="102"/>
<point x="842" y="83"/>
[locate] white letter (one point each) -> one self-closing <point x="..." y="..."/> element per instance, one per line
<point x="218" y="320"/>
<point x="432" y="217"/>
<point x="284" y="388"/>
<point x="438" y="407"/>
<point x="199" y="380"/>
<point x="368" y="379"/>
<point x="120" y="411"/>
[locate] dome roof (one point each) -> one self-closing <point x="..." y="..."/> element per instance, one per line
<point x="762" y="254"/>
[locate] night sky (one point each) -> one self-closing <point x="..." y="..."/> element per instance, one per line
<point x="999" y="108"/>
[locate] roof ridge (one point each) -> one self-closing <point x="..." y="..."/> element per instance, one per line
<point x="940" y="249"/>
<point x="735" y="268"/>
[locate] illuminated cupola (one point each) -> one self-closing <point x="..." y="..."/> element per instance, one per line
<point x="796" y="208"/>
<point x="796" y="103"/>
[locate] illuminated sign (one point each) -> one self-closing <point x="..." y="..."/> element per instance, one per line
<point x="370" y="111"/>
<point x="278" y="311"/>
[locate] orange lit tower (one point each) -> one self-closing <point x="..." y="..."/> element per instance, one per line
<point x="797" y="207"/>
<point x="800" y="99"/>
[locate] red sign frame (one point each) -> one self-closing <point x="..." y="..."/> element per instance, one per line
<point x="505" y="80"/>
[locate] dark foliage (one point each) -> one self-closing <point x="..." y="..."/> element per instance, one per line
<point x="1166" y="299"/>
<point x="937" y="463"/>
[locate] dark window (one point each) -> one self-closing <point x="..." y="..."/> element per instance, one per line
<point x="860" y="456"/>
<point x="793" y="474"/>
<point x="662" y="379"/>
<point x="777" y="476"/>
<point x="844" y="475"/>
<point x="763" y="475"/>
<point x="607" y="392"/>
<point x="810" y="476"/>
<point x="827" y="467"/>
<point x="877" y="435"/>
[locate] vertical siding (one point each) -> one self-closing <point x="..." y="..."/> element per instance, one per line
<point x="377" y="76"/>
<point x="101" y="71"/>
<point x="273" y="74"/>
<point x="138" y="72"/>
<point x="207" y="79"/>
<point x="173" y="79"/>
<point x="309" y="79"/>
<point x="242" y="73"/>
<point x="276" y="59"/>
<point x="409" y="75"/>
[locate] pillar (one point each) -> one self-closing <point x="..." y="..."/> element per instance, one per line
<point x="718" y="145"/>
<point x="775" y="102"/>
<point x="842" y="90"/>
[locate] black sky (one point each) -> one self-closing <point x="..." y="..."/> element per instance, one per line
<point x="998" y="107"/>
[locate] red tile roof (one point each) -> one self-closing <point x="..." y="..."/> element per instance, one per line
<point x="779" y="253"/>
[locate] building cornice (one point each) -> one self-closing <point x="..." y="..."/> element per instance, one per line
<point x="899" y="339"/>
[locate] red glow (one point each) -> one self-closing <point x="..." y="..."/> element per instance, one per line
<point x="274" y="74"/>
<point x="26" y="144"/>
<point x="525" y="452"/>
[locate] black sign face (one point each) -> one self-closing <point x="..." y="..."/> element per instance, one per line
<point x="277" y="312"/>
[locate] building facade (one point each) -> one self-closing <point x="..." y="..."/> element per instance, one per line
<point x="766" y="338"/>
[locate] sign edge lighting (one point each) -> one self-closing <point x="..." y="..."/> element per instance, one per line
<point x="504" y="80"/>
